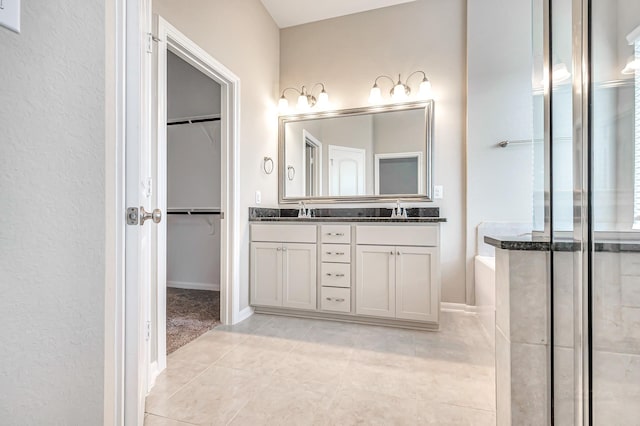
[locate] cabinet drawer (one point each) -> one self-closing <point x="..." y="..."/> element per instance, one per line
<point x="336" y="274"/>
<point x="284" y="233"/>
<point x="336" y="299"/>
<point x="340" y="253"/>
<point x="336" y="234"/>
<point x="398" y="235"/>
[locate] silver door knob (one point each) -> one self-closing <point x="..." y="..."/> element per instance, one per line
<point x="155" y="215"/>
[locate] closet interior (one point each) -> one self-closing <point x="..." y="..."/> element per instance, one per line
<point x="193" y="202"/>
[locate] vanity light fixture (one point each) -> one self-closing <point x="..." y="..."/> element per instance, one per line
<point x="632" y="65"/>
<point x="401" y="91"/>
<point x="306" y="99"/>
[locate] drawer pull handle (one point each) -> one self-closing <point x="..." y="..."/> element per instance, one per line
<point x="337" y="234"/>
<point x="335" y="299"/>
<point x="338" y="253"/>
<point x="329" y="274"/>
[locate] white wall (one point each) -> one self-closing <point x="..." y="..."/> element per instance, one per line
<point x="52" y="226"/>
<point x="499" y="106"/>
<point x="349" y="52"/>
<point x="242" y="36"/>
<point x="193" y="178"/>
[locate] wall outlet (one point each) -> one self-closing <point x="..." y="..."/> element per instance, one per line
<point x="10" y="14"/>
<point x="438" y="192"/>
<point x="258" y="197"/>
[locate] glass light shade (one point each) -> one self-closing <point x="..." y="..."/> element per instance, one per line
<point x="632" y="66"/>
<point x="560" y="73"/>
<point x="323" y="100"/>
<point x="425" y="91"/>
<point x="375" y="97"/>
<point x="283" y="104"/>
<point x="399" y="93"/>
<point x="303" y="103"/>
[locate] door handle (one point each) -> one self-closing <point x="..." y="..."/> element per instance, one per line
<point x="155" y="215"/>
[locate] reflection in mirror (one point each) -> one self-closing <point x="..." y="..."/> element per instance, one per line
<point x="360" y="154"/>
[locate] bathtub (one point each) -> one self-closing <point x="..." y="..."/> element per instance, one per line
<point x="485" y="285"/>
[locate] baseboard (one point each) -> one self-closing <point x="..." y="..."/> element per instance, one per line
<point x="458" y="307"/>
<point x="193" y="286"/>
<point x="154" y="372"/>
<point x="244" y="314"/>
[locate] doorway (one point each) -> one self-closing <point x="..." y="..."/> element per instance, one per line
<point x="193" y="203"/>
<point x="195" y="146"/>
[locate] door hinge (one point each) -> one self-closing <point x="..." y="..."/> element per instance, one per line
<point x="150" y="43"/>
<point x="147" y="335"/>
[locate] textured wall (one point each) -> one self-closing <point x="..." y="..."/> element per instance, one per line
<point x="349" y="52"/>
<point x="242" y="36"/>
<point x="52" y="221"/>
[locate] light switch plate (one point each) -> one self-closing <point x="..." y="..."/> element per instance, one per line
<point x="10" y="14"/>
<point x="438" y="192"/>
<point x="258" y="197"/>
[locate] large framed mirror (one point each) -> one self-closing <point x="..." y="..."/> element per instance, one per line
<point x="366" y="154"/>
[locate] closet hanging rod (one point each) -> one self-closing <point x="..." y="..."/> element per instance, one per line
<point x="193" y="121"/>
<point x="195" y="211"/>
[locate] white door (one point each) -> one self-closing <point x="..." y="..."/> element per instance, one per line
<point x="416" y="283"/>
<point x="299" y="276"/>
<point x="140" y="193"/>
<point x="346" y="171"/>
<point x="375" y="281"/>
<point x="266" y="274"/>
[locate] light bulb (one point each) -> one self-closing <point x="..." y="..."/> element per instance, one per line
<point x="399" y="93"/>
<point x="375" y="97"/>
<point x="425" y="90"/>
<point x="283" y="104"/>
<point x="303" y="103"/>
<point x="560" y="73"/>
<point x="632" y="66"/>
<point x="323" y="100"/>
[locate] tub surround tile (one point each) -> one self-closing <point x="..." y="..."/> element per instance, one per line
<point x="522" y="337"/>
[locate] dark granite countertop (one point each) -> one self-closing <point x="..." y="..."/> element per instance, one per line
<point x="354" y="214"/>
<point x="350" y="219"/>
<point x="529" y="242"/>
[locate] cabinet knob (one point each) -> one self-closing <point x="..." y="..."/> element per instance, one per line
<point x="398" y="253"/>
<point x="391" y="253"/>
<point x="279" y="249"/>
<point x="328" y="274"/>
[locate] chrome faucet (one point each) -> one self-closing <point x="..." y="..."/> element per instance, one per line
<point x="399" y="211"/>
<point x="303" y="211"/>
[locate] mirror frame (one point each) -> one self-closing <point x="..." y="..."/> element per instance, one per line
<point x="428" y="160"/>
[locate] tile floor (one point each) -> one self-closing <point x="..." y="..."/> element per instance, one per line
<point x="271" y="370"/>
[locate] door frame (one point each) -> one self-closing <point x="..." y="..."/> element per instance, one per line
<point x="127" y="117"/>
<point x="171" y="39"/>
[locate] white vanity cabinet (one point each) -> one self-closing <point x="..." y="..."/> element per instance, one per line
<point x="283" y="272"/>
<point x="362" y="272"/>
<point x="397" y="272"/>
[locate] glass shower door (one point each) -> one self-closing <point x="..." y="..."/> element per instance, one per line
<point x="615" y="212"/>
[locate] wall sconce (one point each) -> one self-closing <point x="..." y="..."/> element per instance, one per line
<point x="632" y="65"/>
<point x="401" y="91"/>
<point x="306" y="100"/>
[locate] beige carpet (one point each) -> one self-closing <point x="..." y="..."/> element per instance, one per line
<point x="190" y="313"/>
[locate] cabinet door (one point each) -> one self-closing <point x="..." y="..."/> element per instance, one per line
<point x="375" y="281"/>
<point x="266" y="274"/>
<point x="299" y="281"/>
<point x="417" y="292"/>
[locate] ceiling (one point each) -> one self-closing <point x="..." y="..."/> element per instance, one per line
<point x="288" y="13"/>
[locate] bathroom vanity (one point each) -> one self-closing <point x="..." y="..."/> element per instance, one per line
<point x="358" y="269"/>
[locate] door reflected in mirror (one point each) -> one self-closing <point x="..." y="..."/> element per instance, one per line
<point x="360" y="154"/>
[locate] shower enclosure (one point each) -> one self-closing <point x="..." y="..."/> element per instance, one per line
<point x="587" y="201"/>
